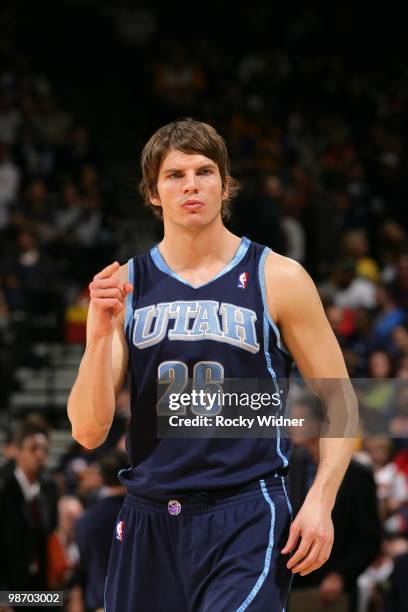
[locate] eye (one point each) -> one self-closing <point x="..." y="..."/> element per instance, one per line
<point x="174" y="175"/>
<point x="205" y="171"/>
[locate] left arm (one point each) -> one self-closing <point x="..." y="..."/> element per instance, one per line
<point x="306" y="332"/>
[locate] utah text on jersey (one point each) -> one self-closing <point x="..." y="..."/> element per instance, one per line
<point x="195" y="320"/>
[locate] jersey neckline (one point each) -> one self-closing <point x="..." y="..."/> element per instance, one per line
<point x="163" y="267"/>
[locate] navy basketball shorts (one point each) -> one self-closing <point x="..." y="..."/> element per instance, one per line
<point x="218" y="555"/>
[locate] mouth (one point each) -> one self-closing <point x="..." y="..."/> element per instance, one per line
<point x="192" y="205"/>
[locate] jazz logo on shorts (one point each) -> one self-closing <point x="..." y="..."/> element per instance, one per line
<point x="243" y="280"/>
<point x="119" y="530"/>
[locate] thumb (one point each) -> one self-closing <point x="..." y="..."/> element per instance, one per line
<point x="127" y="288"/>
<point x="292" y="539"/>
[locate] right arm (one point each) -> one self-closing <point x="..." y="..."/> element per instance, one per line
<point x="91" y="404"/>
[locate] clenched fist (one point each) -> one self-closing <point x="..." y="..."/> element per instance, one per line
<point x="108" y="296"/>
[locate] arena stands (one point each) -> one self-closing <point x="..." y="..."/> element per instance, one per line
<point x="313" y="106"/>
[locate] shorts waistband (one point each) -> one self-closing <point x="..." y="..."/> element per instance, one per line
<point x="207" y="501"/>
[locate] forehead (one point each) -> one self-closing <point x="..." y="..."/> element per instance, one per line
<point x="178" y="159"/>
<point x="35" y="440"/>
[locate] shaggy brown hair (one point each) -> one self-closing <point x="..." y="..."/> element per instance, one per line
<point x="187" y="136"/>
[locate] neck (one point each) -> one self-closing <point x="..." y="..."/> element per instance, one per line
<point x="32" y="478"/>
<point x="185" y="248"/>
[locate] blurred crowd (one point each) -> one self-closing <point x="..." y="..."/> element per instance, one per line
<point x="56" y="526"/>
<point x="316" y="130"/>
<point x="57" y="225"/>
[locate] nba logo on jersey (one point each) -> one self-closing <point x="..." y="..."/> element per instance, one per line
<point x="119" y="531"/>
<point x="243" y="280"/>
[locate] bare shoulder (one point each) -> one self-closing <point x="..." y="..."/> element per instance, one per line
<point x="288" y="285"/>
<point x="281" y="268"/>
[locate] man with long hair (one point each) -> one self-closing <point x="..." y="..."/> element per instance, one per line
<point x="206" y="525"/>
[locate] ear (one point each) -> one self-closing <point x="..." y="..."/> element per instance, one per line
<point x="154" y="199"/>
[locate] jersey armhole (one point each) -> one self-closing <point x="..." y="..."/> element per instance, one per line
<point x="261" y="274"/>
<point x="129" y="298"/>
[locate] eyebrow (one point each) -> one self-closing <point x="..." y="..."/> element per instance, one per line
<point x="203" y="167"/>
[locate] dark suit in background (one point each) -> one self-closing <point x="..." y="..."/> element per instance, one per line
<point x="24" y="528"/>
<point x="94" y="533"/>
<point x="357" y="527"/>
<point x="399" y="584"/>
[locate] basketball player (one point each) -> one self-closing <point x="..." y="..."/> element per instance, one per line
<point x="206" y="525"/>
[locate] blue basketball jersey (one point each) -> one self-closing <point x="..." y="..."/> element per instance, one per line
<point x="171" y="325"/>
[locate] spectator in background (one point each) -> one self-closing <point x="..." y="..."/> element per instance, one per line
<point x="30" y="284"/>
<point x="51" y="125"/>
<point x="393" y="238"/>
<point x="356" y="247"/>
<point x="10" y="118"/>
<point x="77" y="152"/>
<point x="79" y="468"/>
<point x="399" y="584"/>
<point x="62" y="550"/>
<point x="28" y="512"/>
<point x="34" y="159"/>
<point x="37" y="213"/>
<point x="398" y="410"/>
<point x="345" y="289"/>
<point x="352" y="291"/>
<point x="378" y="392"/>
<point x="392" y="486"/>
<point x="9" y="453"/>
<point x="266" y="227"/>
<point x="399" y="336"/>
<point x="355" y="518"/>
<point x="94" y="531"/>
<point x="389" y="316"/>
<point x="8" y="352"/>
<point x="178" y="80"/>
<point x="68" y="214"/>
<point x="359" y="344"/>
<point x="79" y="475"/>
<point x="400" y="284"/>
<point x="9" y="184"/>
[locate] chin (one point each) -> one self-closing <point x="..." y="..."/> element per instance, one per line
<point x="200" y="219"/>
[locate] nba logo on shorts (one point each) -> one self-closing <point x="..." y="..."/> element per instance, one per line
<point x="243" y="280"/>
<point x="119" y="531"/>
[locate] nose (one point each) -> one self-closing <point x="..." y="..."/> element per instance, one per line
<point x="190" y="183"/>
